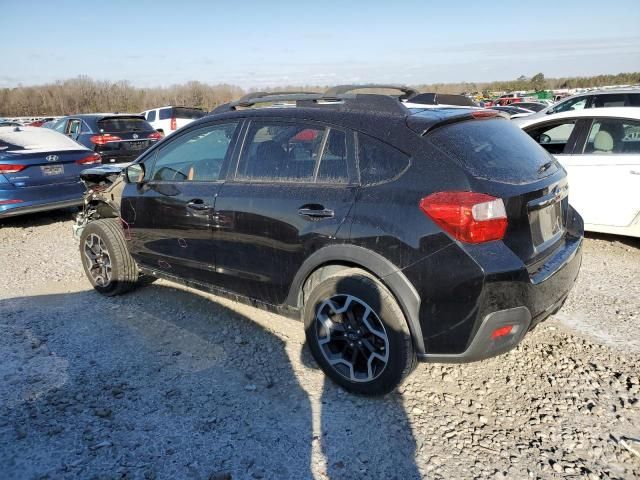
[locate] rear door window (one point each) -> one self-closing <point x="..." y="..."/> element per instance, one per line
<point x="188" y="113"/>
<point x="608" y="100"/>
<point x="334" y="165"/>
<point x="164" y="113"/>
<point x="124" y="124"/>
<point x="613" y="136"/>
<point x="280" y="152"/>
<point x="494" y="149"/>
<point x="634" y="99"/>
<point x="379" y="161"/>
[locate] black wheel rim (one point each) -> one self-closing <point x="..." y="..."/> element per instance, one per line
<point x="352" y="338"/>
<point x="98" y="260"/>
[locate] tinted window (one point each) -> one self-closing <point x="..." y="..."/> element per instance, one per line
<point x="493" y="149"/>
<point x="190" y="113"/>
<point x="553" y="136"/>
<point x="195" y="156"/>
<point x="284" y="152"/>
<point x="334" y="166"/>
<point x="165" y="113"/>
<point x="151" y="116"/>
<point x="378" y="161"/>
<point x="613" y="136"/>
<point x="634" y="99"/>
<point x="124" y="124"/>
<point x="608" y="100"/>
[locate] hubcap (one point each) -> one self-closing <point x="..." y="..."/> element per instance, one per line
<point x="98" y="260"/>
<point x="352" y="338"/>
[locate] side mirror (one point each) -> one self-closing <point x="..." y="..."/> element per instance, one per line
<point x="134" y="173"/>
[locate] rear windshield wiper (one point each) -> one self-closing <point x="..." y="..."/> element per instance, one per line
<point x="545" y="167"/>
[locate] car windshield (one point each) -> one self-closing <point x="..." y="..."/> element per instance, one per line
<point x="124" y="124"/>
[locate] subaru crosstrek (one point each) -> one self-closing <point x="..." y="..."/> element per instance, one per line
<point x="396" y="232"/>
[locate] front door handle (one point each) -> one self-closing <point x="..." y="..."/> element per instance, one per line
<point x="316" y="212"/>
<point x="198" y="204"/>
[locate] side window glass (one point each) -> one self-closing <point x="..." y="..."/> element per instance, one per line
<point x="281" y="152"/>
<point x="378" y="161"/>
<point x="609" y="136"/>
<point x="196" y="156"/>
<point x="553" y="137"/>
<point x="569" y="105"/>
<point x="634" y="99"/>
<point x="61" y="126"/>
<point x="74" y="127"/>
<point x="333" y="165"/>
<point x="151" y="116"/>
<point x="165" y="113"/>
<point x="600" y="101"/>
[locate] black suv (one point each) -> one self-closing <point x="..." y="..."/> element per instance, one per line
<point x="117" y="137"/>
<point x="395" y="231"/>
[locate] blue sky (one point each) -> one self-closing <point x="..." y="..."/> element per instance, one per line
<point x="262" y="43"/>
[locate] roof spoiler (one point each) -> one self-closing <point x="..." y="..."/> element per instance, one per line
<point x="442" y="99"/>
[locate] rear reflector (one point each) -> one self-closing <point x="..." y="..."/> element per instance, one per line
<point x="90" y="160"/>
<point x="104" y="138"/>
<point x="11" y="168"/>
<point x="10" y="201"/>
<point x="467" y="216"/>
<point x="502" y="331"/>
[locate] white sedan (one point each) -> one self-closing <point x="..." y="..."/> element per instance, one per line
<point x="600" y="149"/>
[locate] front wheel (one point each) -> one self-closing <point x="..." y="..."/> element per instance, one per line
<point x="358" y="334"/>
<point x="105" y="257"/>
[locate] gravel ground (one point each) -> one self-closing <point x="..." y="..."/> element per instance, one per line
<point x="168" y="382"/>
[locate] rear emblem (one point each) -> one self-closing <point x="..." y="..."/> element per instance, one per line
<point x="135" y="135"/>
<point x="51" y="158"/>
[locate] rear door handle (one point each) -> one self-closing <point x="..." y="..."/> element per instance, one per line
<point x="316" y="213"/>
<point x="198" y="204"/>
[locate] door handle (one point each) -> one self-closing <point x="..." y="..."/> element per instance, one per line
<point x="316" y="212"/>
<point x="198" y="204"/>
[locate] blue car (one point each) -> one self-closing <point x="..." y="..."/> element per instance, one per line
<point x="40" y="170"/>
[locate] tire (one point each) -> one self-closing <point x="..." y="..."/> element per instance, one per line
<point x="105" y="258"/>
<point x="362" y="312"/>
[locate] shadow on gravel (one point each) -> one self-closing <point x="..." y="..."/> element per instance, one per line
<point x="629" y="241"/>
<point x="38" y="219"/>
<point x="164" y="383"/>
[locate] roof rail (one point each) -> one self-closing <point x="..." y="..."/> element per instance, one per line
<point x="408" y="92"/>
<point x="252" y="95"/>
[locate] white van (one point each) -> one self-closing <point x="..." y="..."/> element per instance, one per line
<point x="170" y="118"/>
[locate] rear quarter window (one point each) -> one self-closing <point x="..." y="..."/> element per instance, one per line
<point x="493" y="150"/>
<point x="379" y="161"/>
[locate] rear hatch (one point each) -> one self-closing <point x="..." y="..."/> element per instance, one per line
<point x="124" y="136"/>
<point x="504" y="162"/>
<point x="31" y="156"/>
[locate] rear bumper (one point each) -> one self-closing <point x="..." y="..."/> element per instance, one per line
<point x="40" y="199"/>
<point x="466" y="293"/>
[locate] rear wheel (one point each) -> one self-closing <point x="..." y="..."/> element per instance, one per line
<point x="105" y="258"/>
<point x="358" y="334"/>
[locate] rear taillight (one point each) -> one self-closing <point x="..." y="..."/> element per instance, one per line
<point x="11" y="168"/>
<point x="174" y="124"/>
<point x="90" y="160"/>
<point x="104" y="138"/>
<point x="10" y="201"/>
<point x="467" y="216"/>
<point x="155" y="135"/>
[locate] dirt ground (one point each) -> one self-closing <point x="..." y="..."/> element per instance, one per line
<point x="168" y="382"/>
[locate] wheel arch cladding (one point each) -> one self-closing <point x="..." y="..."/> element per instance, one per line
<point x="333" y="258"/>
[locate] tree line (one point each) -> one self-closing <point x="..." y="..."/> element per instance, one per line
<point x="85" y="95"/>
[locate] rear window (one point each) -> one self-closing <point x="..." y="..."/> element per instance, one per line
<point x="124" y="124"/>
<point x="190" y="113"/>
<point x="494" y="150"/>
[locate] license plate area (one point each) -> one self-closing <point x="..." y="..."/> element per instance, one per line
<point x="52" y="170"/>
<point x="546" y="224"/>
<point x="136" y="145"/>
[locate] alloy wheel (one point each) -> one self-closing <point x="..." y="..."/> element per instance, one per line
<point x="98" y="260"/>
